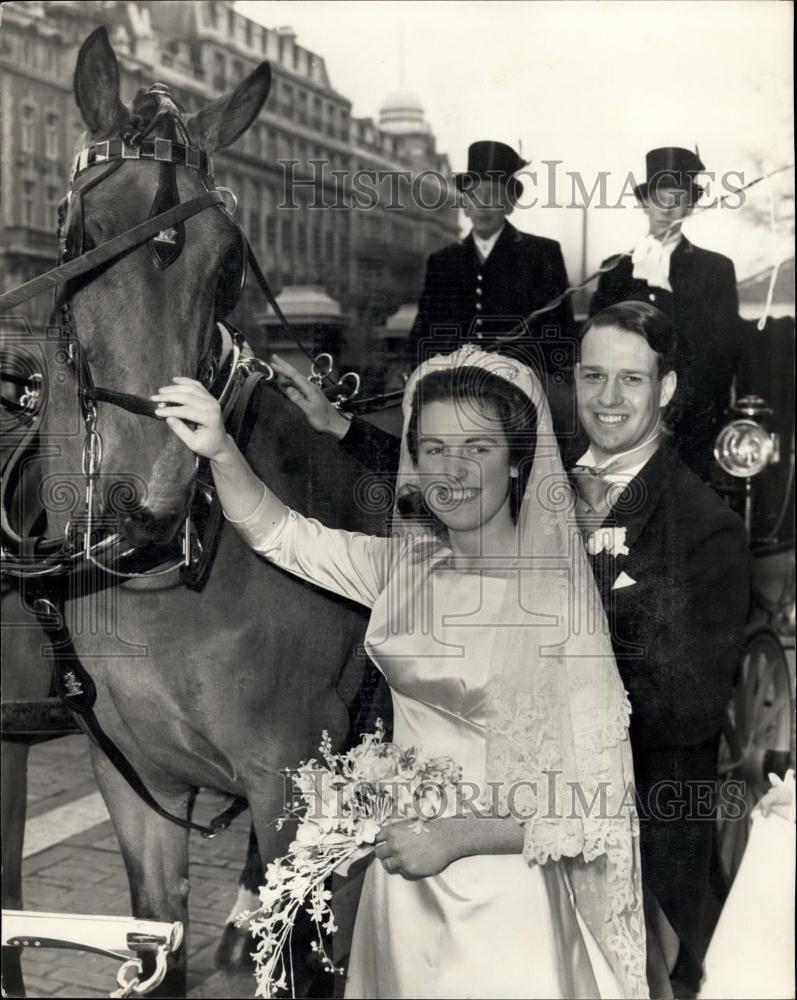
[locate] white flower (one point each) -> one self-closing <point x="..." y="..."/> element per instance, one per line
<point x="369" y="762"/>
<point x="610" y="539"/>
<point x="366" y="831"/>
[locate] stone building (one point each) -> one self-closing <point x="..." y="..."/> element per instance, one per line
<point x="326" y="199"/>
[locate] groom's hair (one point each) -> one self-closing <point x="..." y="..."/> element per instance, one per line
<point x="481" y="393"/>
<point x="645" y="320"/>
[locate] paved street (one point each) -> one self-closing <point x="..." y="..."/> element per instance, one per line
<point x="73" y="864"/>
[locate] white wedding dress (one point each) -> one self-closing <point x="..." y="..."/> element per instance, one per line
<point x="487" y="926"/>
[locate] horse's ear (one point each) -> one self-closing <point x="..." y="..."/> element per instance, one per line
<point x="221" y="122"/>
<point x="97" y="83"/>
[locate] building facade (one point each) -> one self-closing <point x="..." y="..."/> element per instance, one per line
<point x="351" y="205"/>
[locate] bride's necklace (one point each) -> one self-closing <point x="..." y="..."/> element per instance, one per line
<point x="501" y="566"/>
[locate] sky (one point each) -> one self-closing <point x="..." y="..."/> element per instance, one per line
<point x="592" y="84"/>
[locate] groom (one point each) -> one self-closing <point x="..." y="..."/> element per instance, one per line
<point x="676" y="604"/>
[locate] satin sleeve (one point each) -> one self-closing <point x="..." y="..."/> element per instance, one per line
<point x="348" y="563"/>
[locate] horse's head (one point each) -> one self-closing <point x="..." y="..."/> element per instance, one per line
<point x="149" y="314"/>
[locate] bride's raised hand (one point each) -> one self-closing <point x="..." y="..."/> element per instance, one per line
<point x="194" y="416"/>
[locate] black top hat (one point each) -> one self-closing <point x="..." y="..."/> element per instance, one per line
<point x="494" y="161"/>
<point x="671" y="167"/>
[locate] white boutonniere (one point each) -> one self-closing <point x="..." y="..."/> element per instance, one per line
<point x="610" y="540"/>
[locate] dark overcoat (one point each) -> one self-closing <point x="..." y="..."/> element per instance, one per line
<point x="466" y="300"/>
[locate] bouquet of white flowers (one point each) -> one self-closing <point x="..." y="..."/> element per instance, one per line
<point x="343" y="800"/>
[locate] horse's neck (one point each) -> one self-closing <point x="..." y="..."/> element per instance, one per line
<point x="309" y="471"/>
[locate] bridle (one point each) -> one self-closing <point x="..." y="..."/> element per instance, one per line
<point x="164" y="234"/>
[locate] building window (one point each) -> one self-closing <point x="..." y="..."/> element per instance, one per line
<point x="219" y="71"/>
<point x="271" y="232"/>
<point x="287" y="237"/>
<point x="265" y="142"/>
<point x="52" y="145"/>
<point x="330" y="246"/>
<point x="28" y="202"/>
<point x="53" y="197"/>
<point x="238" y="72"/>
<point x="287" y="100"/>
<point x="28" y="143"/>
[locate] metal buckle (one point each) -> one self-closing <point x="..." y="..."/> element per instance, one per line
<point x="349" y="386"/>
<point x="317" y="373"/>
<point x="193" y="157"/>
<point x="83" y="159"/>
<point x="130" y="152"/>
<point x="163" y="150"/>
<point x="102" y="151"/>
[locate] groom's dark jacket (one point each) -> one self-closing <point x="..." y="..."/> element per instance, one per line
<point x="676" y="632"/>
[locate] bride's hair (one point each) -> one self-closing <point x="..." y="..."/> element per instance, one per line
<point x="481" y="393"/>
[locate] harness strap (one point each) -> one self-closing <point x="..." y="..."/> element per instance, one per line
<point x="78" y="692"/>
<point x="262" y="280"/>
<point x="109" y="250"/>
<point x="239" y="418"/>
<point x="124" y="400"/>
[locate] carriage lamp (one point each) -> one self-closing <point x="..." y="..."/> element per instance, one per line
<point x="745" y="447"/>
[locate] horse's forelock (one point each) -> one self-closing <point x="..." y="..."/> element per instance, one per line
<point x="147" y="106"/>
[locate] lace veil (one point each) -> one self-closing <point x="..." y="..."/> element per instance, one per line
<point x="558" y="754"/>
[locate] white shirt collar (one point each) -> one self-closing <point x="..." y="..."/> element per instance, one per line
<point x="485" y="246"/>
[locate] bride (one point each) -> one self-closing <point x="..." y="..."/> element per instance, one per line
<point x="487" y="626"/>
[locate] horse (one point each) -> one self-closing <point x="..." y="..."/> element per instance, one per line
<point x="226" y="686"/>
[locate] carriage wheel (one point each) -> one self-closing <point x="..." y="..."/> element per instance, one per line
<point x="757" y="737"/>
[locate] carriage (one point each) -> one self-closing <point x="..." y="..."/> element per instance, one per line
<point x="754" y="454"/>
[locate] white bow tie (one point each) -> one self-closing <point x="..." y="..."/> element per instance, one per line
<point x="651" y="260"/>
